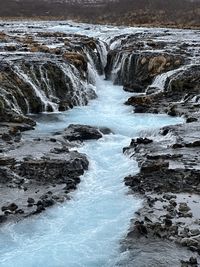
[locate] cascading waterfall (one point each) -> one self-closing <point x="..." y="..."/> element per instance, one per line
<point x="33" y="84"/>
<point x="121" y="69"/>
<point x="39" y="93"/>
<point x="103" y="53"/>
<point x="117" y="69"/>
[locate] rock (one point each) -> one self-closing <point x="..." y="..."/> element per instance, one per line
<point x="190" y="119"/>
<point x="19" y="211"/>
<point x="48" y="202"/>
<point x="147" y="219"/>
<point x="105" y="130"/>
<point x="134" y="88"/>
<point x="144" y="141"/>
<point x="77" y="132"/>
<point x="3" y="218"/>
<point x="61" y="150"/>
<point x="30" y="200"/>
<point x="186" y="81"/>
<point x="4" y="161"/>
<point x="175" y="146"/>
<point x="194" y="232"/>
<point x="11" y="207"/>
<point x="53" y="140"/>
<point x="173" y="203"/>
<point x="149" y="166"/>
<point x="6" y="137"/>
<point x="54" y="170"/>
<point x="77" y="59"/>
<point x="193" y="260"/>
<point x="169" y="196"/>
<point x="183" y="207"/>
<point x="193" y="144"/>
<point x="141" y="228"/>
<point x="62" y="87"/>
<point x="168" y="222"/>
<point x="39" y="209"/>
<point x="191" y="263"/>
<point x="189" y="242"/>
<point x="136" y="70"/>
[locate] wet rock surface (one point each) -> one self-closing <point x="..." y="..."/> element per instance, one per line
<point x="33" y="180"/>
<point x="138" y="69"/>
<point x="179" y="97"/>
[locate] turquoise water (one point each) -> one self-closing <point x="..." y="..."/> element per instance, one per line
<point x="85" y="231"/>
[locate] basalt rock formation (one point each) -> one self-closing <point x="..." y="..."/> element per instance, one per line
<point x="180" y="95"/>
<point x="46" y="72"/>
<point x="135" y="60"/>
<point x="136" y="70"/>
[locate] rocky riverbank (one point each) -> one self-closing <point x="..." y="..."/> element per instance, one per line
<point x="33" y="180"/>
<point x="42" y="71"/>
<point x="169" y="178"/>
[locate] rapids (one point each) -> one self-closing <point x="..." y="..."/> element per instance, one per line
<point x="85" y="231"/>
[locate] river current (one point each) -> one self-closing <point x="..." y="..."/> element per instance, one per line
<point x="86" y="231"/>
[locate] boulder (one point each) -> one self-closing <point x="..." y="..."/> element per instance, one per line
<point x="77" y="132"/>
<point x="183" y="207"/>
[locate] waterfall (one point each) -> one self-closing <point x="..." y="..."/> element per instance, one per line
<point x="160" y="81"/>
<point x="36" y="88"/>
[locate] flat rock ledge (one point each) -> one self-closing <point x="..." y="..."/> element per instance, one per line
<point x="169" y="181"/>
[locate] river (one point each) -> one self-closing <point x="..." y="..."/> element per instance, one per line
<point x="86" y="231"/>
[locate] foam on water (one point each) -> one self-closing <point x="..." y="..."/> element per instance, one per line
<point x="85" y="231"/>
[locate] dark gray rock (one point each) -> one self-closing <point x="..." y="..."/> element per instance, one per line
<point x="77" y="132"/>
<point x="54" y="170"/>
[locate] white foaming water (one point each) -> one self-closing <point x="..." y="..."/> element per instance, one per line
<point x="39" y="93"/>
<point x="160" y="80"/>
<point x="85" y="231"/>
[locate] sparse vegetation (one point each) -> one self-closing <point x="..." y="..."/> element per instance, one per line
<point x="173" y="13"/>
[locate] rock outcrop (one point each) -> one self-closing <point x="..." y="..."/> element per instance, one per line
<point x="30" y="184"/>
<point x="136" y="70"/>
<point x="180" y="95"/>
<point x="167" y="77"/>
<point x="77" y="132"/>
<point x="37" y="76"/>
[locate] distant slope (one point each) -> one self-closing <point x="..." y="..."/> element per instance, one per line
<point x="179" y="13"/>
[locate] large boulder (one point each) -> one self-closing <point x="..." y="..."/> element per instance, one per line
<point x="77" y="132"/>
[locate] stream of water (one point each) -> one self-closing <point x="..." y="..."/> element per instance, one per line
<point x="85" y="231"/>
